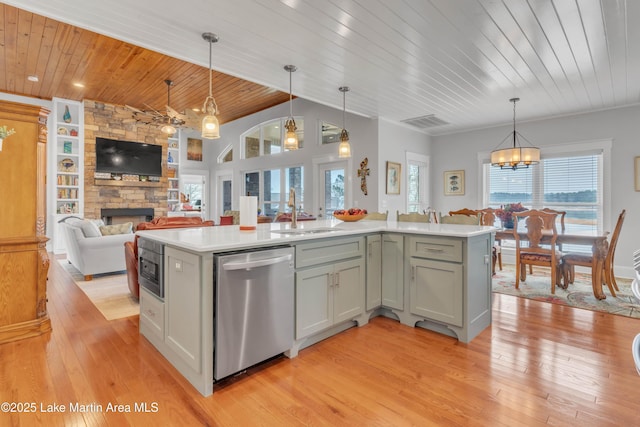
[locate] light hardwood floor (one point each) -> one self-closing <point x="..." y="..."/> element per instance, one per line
<point x="538" y="364"/>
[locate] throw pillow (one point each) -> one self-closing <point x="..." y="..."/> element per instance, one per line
<point x="124" y="228"/>
<point x="90" y="229"/>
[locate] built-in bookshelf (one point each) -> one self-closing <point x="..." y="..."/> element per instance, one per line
<point x="67" y="163"/>
<point x="173" y="163"/>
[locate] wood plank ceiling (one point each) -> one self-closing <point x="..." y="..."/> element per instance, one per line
<point x="460" y="60"/>
<point x="112" y="71"/>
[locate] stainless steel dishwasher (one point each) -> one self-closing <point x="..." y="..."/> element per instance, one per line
<point x="254" y="308"/>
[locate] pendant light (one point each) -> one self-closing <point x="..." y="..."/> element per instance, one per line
<point x="291" y="138"/>
<point x="344" y="149"/>
<point x="210" y="124"/>
<point x="516" y="157"/>
<point x="167" y="126"/>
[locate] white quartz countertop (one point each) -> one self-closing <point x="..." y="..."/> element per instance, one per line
<point x="229" y="237"/>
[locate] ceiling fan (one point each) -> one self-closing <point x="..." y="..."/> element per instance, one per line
<point x="168" y="121"/>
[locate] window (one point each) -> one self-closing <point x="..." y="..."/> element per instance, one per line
<point x="571" y="182"/>
<point x="330" y="133"/>
<point x="417" y="195"/>
<point x="275" y="185"/>
<point x="226" y="155"/>
<point x="267" y="138"/>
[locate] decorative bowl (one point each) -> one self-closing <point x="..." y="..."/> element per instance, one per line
<point x="349" y="218"/>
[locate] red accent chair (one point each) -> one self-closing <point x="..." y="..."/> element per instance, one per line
<point x="131" y="248"/>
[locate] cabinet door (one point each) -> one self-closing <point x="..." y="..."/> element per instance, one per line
<point x="183" y="321"/>
<point x="374" y="271"/>
<point x="314" y="310"/>
<point x="393" y="271"/>
<point x="348" y="289"/>
<point x="436" y="290"/>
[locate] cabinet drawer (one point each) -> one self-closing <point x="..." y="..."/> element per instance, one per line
<point x="440" y="248"/>
<point x="329" y="250"/>
<point x="152" y="313"/>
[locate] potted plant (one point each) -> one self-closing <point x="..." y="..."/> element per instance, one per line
<point x="505" y="213"/>
<point x="4" y="133"/>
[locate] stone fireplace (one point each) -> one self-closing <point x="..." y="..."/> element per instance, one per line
<point x="122" y="215"/>
<point x="114" y="122"/>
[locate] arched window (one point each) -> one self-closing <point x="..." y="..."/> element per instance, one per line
<point x="267" y="138"/>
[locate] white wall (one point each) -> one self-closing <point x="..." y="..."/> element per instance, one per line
<point x="459" y="151"/>
<point x="395" y="141"/>
<point x="362" y="135"/>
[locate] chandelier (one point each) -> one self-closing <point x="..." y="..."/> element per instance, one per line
<point x="515" y="157"/>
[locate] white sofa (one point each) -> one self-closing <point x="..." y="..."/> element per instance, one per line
<point x="91" y="252"/>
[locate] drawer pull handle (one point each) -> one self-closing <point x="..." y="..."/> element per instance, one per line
<point x="151" y="313"/>
<point x="435" y="250"/>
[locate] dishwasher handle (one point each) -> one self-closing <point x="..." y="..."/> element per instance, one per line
<point x="247" y="265"/>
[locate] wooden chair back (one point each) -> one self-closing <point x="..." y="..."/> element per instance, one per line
<point x="464" y="211"/>
<point x="412" y="217"/>
<point x="537" y="224"/>
<point x="531" y="250"/>
<point x="488" y="216"/>
<point x="559" y="215"/>
<point x="460" y="219"/>
<point x="611" y="252"/>
<point x="377" y="216"/>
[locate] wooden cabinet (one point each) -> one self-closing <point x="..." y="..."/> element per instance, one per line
<point x="24" y="263"/>
<point x="329" y="292"/>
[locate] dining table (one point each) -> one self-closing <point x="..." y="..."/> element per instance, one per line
<point x="599" y="247"/>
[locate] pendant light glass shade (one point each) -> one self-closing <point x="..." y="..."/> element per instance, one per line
<point x="168" y="127"/>
<point x="291" y="137"/>
<point x="344" y="149"/>
<point x="515" y="157"/>
<point x="210" y="124"/>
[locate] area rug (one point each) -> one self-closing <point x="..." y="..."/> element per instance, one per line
<point x="579" y="294"/>
<point x="108" y="292"/>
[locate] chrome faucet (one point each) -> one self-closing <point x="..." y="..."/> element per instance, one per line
<point x="292" y="205"/>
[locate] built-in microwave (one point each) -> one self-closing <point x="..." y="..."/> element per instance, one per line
<point x="151" y="266"/>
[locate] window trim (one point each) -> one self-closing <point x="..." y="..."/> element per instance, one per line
<point x="588" y="147"/>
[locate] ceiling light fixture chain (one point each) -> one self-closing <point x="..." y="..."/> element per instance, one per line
<point x="210" y="124"/>
<point x="515" y="157"/>
<point x="344" y="149"/>
<point x="291" y="138"/>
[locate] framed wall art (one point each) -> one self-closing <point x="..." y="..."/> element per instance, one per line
<point x="194" y="149"/>
<point x="454" y="183"/>
<point x="393" y="178"/>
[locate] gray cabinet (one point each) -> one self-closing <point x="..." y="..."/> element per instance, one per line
<point x="374" y="271"/>
<point x="449" y="281"/>
<point x="393" y="271"/>
<point x="182" y="288"/>
<point x="436" y="290"/>
<point x="332" y="291"/>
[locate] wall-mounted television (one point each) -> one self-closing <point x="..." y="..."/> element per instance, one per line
<point x="128" y="157"/>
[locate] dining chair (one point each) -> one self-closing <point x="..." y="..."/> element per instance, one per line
<point x="412" y="217"/>
<point x="377" y="216"/>
<point x="532" y="250"/>
<point x="559" y="215"/>
<point x="460" y="219"/>
<point x="571" y="259"/>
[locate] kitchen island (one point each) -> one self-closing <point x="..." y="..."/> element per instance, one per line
<point x="436" y="276"/>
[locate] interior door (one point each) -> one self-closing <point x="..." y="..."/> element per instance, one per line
<point x="194" y="189"/>
<point x="332" y="190"/>
<point x="224" y="194"/>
